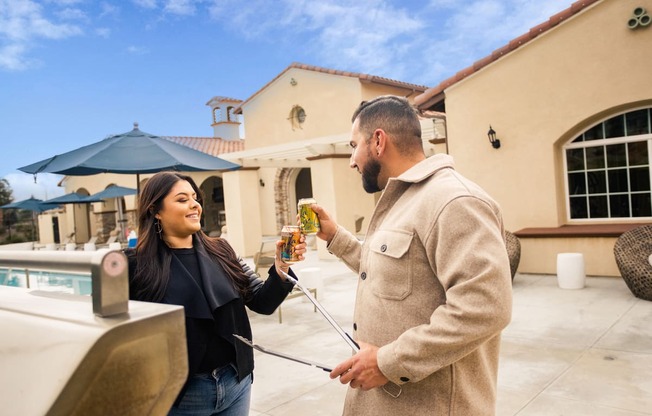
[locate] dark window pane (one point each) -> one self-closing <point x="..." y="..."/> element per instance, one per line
<point x="576" y="184"/>
<point x="578" y="139"/>
<point x="598" y="207"/>
<point x="641" y="205"/>
<point x="594" y="133"/>
<point x="619" y="205"/>
<point x="614" y="127"/>
<point x="595" y="157"/>
<point x="637" y="122"/>
<point x="616" y="155"/>
<point x="618" y="180"/>
<point x="640" y="179"/>
<point x="575" y="159"/>
<point x="578" y="207"/>
<point x="638" y="153"/>
<point x="597" y="182"/>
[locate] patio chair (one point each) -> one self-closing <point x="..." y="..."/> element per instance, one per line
<point x="265" y="256"/>
<point x="633" y="252"/>
<point x="513" y="245"/>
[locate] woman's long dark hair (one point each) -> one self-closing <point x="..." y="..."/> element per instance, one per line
<point x="154" y="256"/>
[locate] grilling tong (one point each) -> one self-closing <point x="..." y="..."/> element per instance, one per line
<point x="390" y="388"/>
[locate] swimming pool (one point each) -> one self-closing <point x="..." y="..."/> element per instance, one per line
<point x="67" y="282"/>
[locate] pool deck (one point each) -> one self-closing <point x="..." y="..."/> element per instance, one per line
<point x="566" y="352"/>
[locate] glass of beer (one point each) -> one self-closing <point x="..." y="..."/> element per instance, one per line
<point x="291" y="236"/>
<point x="308" y="217"/>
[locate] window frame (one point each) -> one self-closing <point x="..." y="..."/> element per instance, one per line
<point x="602" y="143"/>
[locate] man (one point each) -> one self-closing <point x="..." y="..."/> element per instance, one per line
<point x="434" y="288"/>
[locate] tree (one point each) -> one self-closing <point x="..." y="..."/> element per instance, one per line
<point x="6" y="193"/>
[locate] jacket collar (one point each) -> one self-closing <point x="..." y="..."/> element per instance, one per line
<point x="199" y="302"/>
<point x="426" y="168"/>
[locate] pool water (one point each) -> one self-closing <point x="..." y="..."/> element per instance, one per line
<point x="76" y="283"/>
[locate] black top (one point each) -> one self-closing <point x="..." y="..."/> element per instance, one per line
<point x="214" y="309"/>
<point x="219" y="352"/>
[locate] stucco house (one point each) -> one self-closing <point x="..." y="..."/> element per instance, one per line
<point x="570" y="102"/>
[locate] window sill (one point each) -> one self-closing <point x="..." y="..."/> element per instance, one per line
<point x="584" y="230"/>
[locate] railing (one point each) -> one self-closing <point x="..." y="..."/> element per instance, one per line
<point x="108" y="269"/>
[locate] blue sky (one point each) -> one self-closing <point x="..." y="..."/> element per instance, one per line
<point x="73" y="72"/>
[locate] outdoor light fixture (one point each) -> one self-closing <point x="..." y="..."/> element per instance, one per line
<point x="492" y="138"/>
<point x="261" y="182"/>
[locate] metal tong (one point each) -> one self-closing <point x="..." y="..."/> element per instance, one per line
<point x="280" y="354"/>
<point x="390" y="388"/>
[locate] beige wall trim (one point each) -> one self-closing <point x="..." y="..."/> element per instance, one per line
<point x="583" y="230"/>
<point x="332" y="156"/>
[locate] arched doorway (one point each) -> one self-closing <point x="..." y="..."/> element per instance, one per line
<point x="214" y="217"/>
<point x="291" y="184"/>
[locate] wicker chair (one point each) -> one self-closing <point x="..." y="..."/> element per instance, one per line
<point x="632" y="251"/>
<point x="513" y="251"/>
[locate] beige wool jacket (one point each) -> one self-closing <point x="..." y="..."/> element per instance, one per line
<point x="434" y="293"/>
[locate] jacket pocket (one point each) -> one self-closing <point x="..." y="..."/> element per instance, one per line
<point x="389" y="264"/>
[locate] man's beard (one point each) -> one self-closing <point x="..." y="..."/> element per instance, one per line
<point x="370" y="176"/>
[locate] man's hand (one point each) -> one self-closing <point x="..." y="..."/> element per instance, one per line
<point x="327" y="227"/>
<point x="361" y="370"/>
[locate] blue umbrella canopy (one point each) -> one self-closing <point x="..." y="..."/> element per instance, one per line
<point x="30" y="204"/>
<point x="113" y="192"/>
<point x="71" y="198"/>
<point x="134" y="152"/>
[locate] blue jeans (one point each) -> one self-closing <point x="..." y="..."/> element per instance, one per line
<point x="218" y="393"/>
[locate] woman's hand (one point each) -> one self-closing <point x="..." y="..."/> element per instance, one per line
<point x="281" y="266"/>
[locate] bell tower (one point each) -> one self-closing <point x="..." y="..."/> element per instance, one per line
<point x="226" y="124"/>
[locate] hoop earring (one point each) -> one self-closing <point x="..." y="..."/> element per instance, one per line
<point x="159" y="229"/>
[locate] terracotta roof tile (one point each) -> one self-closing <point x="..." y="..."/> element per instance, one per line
<point x="362" y="77"/>
<point x="214" y="146"/>
<point x="425" y="100"/>
<point x="225" y="99"/>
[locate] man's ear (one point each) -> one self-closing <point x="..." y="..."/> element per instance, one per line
<point x="380" y="141"/>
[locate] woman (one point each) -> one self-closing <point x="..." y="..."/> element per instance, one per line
<point x="174" y="262"/>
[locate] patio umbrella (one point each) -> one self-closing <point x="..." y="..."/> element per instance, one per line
<point x="116" y="192"/>
<point x="31" y="204"/>
<point x="71" y="198"/>
<point x="134" y="152"/>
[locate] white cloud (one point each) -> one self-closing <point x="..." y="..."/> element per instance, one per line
<point x="72" y="14"/>
<point x="137" y="50"/>
<point x="147" y="4"/>
<point x="180" y="7"/>
<point x="22" y="23"/>
<point x="23" y="186"/>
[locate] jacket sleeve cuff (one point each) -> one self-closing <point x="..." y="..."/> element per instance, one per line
<point x="342" y="242"/>
<point x="390" y="366"/>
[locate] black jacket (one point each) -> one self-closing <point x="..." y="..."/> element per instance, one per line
<point x="219" y="306"/>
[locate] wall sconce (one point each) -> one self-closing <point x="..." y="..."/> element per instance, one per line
<point x="261" y="182"/>
<point x="492" y="138"/>
<point x="293" y="82"/>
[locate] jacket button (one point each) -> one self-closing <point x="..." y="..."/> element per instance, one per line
<point x="405" y="379"/>
<point x="355" y="326"/>
<point x="363" y="275"/>
<point x="383" y="248"/>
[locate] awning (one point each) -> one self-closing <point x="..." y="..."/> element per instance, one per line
<point x="296" y="154"/>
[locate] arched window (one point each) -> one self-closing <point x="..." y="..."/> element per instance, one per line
<point x="297" y="116"/>
<point x="607" y="169"/>
<point x="230" y="116"/>
<point x="217" y="114"/>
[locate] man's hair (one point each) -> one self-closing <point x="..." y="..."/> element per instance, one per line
<point x="396" y="116"/>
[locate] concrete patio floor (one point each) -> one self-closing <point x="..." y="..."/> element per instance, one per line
<point x="566" y="352"/>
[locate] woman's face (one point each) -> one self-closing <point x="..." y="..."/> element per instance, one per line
<point x="180" y="212"/>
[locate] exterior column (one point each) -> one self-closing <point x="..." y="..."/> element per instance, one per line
<point x="338" y="188"/>
<point x="242" y="206"/>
